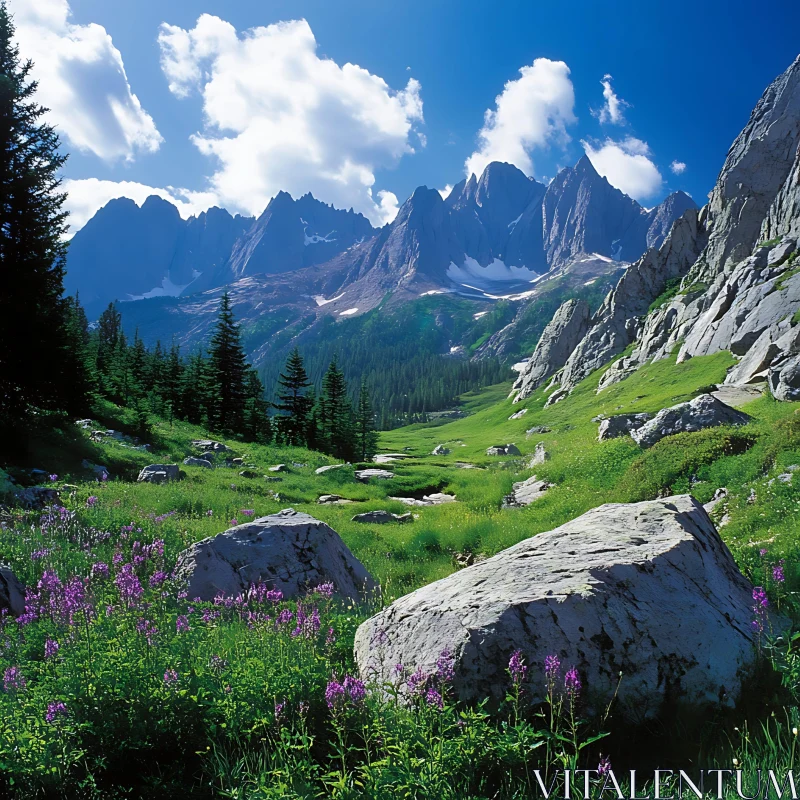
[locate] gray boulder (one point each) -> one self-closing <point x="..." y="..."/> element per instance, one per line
<point x="210" y="444"/>
<point x="561" y="336"/>
<point x="784" y="379"/>
<point x="98" y="470"/>
<point x="37" y="496"/>
<point x="197" y="462"/>
<point x="381" y="517"/>
<point x="648" y="590"/>
<point x="332" y="499"/>
<point x="277" y="468"/>
<point x="781" y="252"/>
<point x="289" y="551"/>
<point x="621" y="425"/>
<point x="540" y="455"/>
<point x="327" y="468"/>
<point x="12" y="592"/>
<point x="536" y="430"/>
<point x="440" y="450"/>
<point x="369" y="474"/>
<point x="704" y="411"/>
<point x="519" y="414"/>
<point x="159" y="473"/>
<point x="503" y="450"/>
<point x="209" y="455"/>
<point x="435" y="499"/>
<point x="526" y="492"/>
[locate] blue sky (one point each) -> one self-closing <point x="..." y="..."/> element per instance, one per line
<point x="256" y="96"/>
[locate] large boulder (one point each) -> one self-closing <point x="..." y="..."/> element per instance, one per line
<point x="784" y="379"/>
<point x="159" y="473"/>
<point x="526" y="492"/>
<point x="12" y="592"/>
<point x="648" y="591"/>
<point x="327" y="468"/>
<point x="289" y="551"/>
<point x="440" y="450"/>
<point x="621" y="425"/>
<point x="37" y="497"/>
<point x="704" y="411"/>
<point x="369" y="474"/>
<point x="503" y="450"/>
<point x="210" y="444"/>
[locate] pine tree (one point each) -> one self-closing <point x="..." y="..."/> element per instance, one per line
<point x="366" y="437"/>
<point x="194" y="390"/>
<point x="256" y="422"/>
<point x="228" y="369"/>
<point x="336" y="414"/>
<point x="295" y="405"/>
<point x="37" y="367"/>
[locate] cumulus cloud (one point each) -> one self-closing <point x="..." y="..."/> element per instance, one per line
<point x="531" y="112"/>
<point x="613" y="109"/>
<point x="626" y="164"/>
<point x="82" y="81"/>
<point x="279" y="116"/>
<point x="677" y="167"/>
<point x="446" y="191"/>
<point x="86" y="196"/>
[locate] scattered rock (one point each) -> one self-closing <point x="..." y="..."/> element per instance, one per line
<point x="526" y="492"/>
<point x="466" y="465"/>
<point x="37" y="496"/>
<point x="647" y="589"/>
<point x="620" y="425"/>
<point x="332" y="499"/>
<point x="388" y="458"/>
<point x="778" y="254"/>
<point x="248" y="473"/>
<point x="298" y="464"/>
<point x="327" y="468"/>
<point x="556" y="397"/>
<point x="540" y="455"/>
<point x="704" y="411"/>
<point x="440" y="450"/>
<point x="198" y="462"/>
<point x="210" y="444"/>
<point x="719" y="495"/>
<point x="159" y="473"/>
<point x="277" y="468"/>
<point x="435" y="499"/>
<point x="12" y="592"/>
<point x="503" y="450"/>
<point x="752" y="497"/>
<point x="237" y="461"/>
<point x="381" y="517"/>
<point x="98" y="469"/>
<point x="289" y="551"/>
<point x="536" y="430"/>
<point x="272" y="479"/>
<point x="379" y="474"/>
<point x="520" y="414"/>
<point x="209" y="455"/>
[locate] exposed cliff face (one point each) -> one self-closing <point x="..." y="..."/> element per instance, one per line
<point x="736" y="292"/>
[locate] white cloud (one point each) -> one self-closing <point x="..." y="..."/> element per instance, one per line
<point x="613" y="109"/>
<point x="627" y="165"/>
<point x="446" y="191"/>
<point x="82" y="81"/>
<point x="85" y="197"/>
<point x="279" y="116"/>
<point x="531" y="112"/>
<point x="677" y="167"/>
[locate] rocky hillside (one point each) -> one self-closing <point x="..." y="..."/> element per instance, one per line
<point x="725" y="278"/>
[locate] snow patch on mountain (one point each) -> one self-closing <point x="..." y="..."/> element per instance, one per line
<point x="348" y="312"/>
<point x="167" y="289"/>
<point x="496" y="272"/>
<point x="320" y="300"/>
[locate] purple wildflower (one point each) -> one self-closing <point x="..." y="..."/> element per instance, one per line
<point x="516" y="667"/>
<point x="572" y="682"/>
<point x="181" y="624"/>
<point x="777" y="573"/>
<point x="324" y="589"/>
<point x="99" y="570"/>
<point x="355" y="688"/>
<point x="433" y="698"/>
<point x="445" y="667"/>
<point x="91" y="501"/>
<point x="279" y="709"/>
<point x="14" y="680"/>
<point x="248" y="512"/>
<point x="53" y="478"/>
<point x="130" y="589"/>
<point x="335" y="694"/>
<point x="210" y="614"/>
<point x="417" y="681"/>
<point x="762" y="552"/>
<point x="157" y="578"/>
<point x="50" y="647"/>
<point x="55" y="710"/>
<point x="604" y="767"/>
<point x="170" y="677"/>
<point x="234" y="522"/>
<point x="217" y="664"/>
<point x="37" y="555"/>
<point x="284" y="617"/>
<point x="330" y="639"/>
<point x="399" y="669"/>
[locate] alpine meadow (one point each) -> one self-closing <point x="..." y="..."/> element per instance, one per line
<point x="307" y="492"/>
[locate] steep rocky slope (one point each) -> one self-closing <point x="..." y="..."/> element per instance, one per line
<point x="739" y="288"/>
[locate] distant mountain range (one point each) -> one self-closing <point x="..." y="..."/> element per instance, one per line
<point x="502" y="235"/>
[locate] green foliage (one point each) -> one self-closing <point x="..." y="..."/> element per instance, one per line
<point x="671" y="288"/>
<point x="294" y="424"/>
<point x="228" y="370"/>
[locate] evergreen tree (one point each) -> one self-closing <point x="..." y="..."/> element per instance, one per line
<point x="295" y="405"/>
<point x="337" y="435"/>
<point x="37" y="366"/>
<point x="194" y="390"/>
<point x="228" y="369"/>
<point x="366" y="437"/>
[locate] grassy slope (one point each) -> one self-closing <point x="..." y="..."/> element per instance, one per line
<point x="586" y="473"/>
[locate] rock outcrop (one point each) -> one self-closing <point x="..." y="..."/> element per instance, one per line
<point x="503" y="450"/>
<point x="526" y="492"/>
<point x="159" y="473"/>
<point x="12" y="592"/>
<point x="559" y="339"/>
<point x="373" y="474"/>
<point x="440" y="450"/>
<point x="648" y="590"/>
<point x="704" y="411"/>
<point x="621" y="425"/>
<point x="289" y="551"/>
<point x="197" y="462"/>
